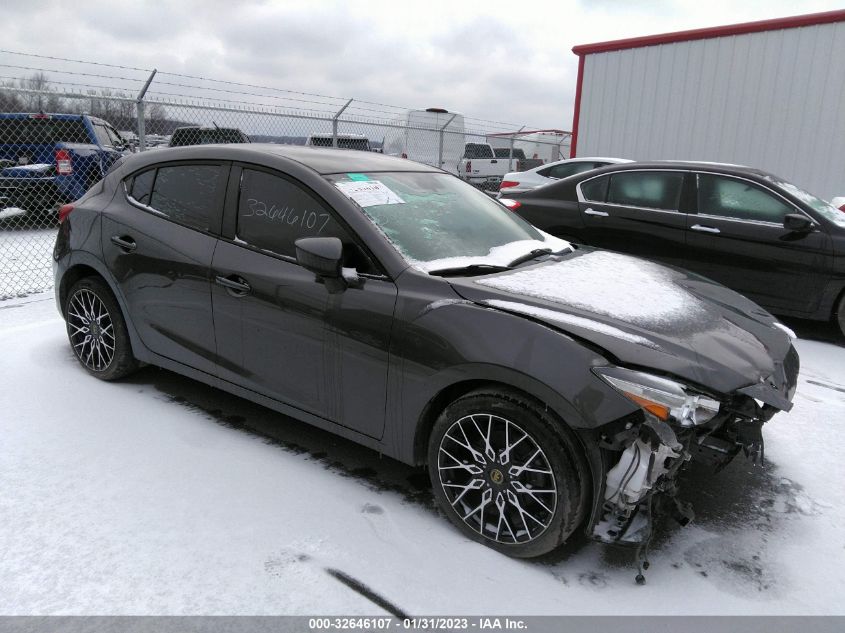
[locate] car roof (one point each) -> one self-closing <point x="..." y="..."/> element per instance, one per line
<point x="323" y="160"/>
<point x="580" y="159"/>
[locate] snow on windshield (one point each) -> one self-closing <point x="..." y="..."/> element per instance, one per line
<point x="498" y="255"/>
<point x="825" y="208"/>
<point x="611" y="284"/>
<point x="573" y="320"/>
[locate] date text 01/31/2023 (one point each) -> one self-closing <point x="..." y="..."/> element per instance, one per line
<point x="416" y="624"/>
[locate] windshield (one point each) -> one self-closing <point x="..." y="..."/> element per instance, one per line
<point x="825" y="209"/>
<point x="436" y="221"/>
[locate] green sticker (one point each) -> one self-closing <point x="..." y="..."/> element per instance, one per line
<point x="358" y="176"/>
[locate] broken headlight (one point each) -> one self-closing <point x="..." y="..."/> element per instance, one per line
<point x="665" y="399"/>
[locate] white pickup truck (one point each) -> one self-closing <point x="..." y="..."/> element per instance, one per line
<point x="480" y="167"/>
<point x="484" y="166"/>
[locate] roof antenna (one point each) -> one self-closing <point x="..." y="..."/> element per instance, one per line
<point x="216" y="127"/>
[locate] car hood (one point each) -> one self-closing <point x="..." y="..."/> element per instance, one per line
<point x="649" y="316"/>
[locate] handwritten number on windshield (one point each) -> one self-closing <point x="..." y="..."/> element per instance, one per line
<point x="307" y="220"/>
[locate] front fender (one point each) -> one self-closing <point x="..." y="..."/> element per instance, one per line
<point x="459" y="342"/>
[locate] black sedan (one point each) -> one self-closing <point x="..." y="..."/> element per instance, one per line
<point x="764" y="237"/>
<point x="546" y="386"/>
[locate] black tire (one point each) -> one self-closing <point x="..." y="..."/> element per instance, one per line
<point x="839" y="316"/>
<point x="91" y="311"/>
<point x="556" y="514"/>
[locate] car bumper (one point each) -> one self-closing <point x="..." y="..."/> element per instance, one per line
<point x="484" y="182"/>
<point x="623" y="509"/>
<point x="19" y="196"/>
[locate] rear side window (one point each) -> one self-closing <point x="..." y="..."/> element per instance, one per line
<point x="595" y="190"/>
<point x="274" y="212"/>
<point x="569" y="169"/>
<point x="142" y="187"/>
<point x="101" y="134"/>
<point x="740" y="199"/>
<point x="478" y="150"/>
<point x="505" y="152"/>
<point x="650" y="189"/>
<point x="189" y="194"/>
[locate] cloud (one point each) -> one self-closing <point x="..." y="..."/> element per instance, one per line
<point x="499" y="61"/>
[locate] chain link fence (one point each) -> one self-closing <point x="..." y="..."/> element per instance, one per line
<point x="63" y="123"/>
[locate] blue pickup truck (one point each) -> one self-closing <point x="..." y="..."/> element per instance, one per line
<point x="47" y="160"/>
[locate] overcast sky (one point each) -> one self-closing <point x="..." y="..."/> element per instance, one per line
<point x="505" y="61"/>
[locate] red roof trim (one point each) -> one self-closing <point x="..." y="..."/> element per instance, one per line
<point x="810" y="19"/>
<point x="524" y="132"/>
<point x="576" y="115"/>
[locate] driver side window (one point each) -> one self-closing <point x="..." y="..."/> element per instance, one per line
<point x="739" y="199"/>
<point x="274" y="212"/>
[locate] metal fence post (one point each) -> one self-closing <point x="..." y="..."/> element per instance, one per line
<point x="510" y="154"/>
<point x="334" y="123"/>
<point x="139" y="106"/>
<point x="440" y="147"/>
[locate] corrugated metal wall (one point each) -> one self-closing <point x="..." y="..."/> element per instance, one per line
<point x="773" y="100"/>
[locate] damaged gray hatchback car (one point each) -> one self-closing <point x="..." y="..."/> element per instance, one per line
<point x="547" y="387"/>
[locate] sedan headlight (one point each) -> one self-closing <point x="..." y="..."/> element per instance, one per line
<point x="665" y="399"/>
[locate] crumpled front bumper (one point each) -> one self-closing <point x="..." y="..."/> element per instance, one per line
<point x="641" y="481"/>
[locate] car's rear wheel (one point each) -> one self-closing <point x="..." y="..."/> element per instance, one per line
<point x="507" y="473"/>
<point x="97" y="331"/>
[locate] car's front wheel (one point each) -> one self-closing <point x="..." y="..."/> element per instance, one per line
<point x="97" y="331"/>
<point x="507" y="473"/>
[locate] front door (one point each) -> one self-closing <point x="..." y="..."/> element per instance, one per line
<point x="737" y="238"/>
<point x="279" y="332"/>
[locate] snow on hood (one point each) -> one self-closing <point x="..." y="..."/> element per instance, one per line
<point x="636" y="291"/>
<point x="679" y="323"/>
<point x="498" y="255"/>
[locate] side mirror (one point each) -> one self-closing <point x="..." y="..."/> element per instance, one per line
<point x="323" y="256"/>
<point x="797" y="223"/>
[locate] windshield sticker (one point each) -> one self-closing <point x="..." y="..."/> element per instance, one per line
<point x="358" y="177"/>
<point x="370" y="193"/>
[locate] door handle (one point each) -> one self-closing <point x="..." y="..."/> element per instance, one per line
<point x="124" y="242"/>
<point x="601" y="214"/>
<point x="234" y="285"/>
<point x="704" y="229"/>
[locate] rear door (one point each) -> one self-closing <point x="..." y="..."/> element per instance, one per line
<point x="737" y="238"/>
<point x="636" y="212"/>
<point x="159" y="236"/>
<point x="279" y="332"/>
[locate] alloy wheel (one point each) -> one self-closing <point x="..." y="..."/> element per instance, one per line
<point x="497" y="478"/>
<point x="91" y="330"/>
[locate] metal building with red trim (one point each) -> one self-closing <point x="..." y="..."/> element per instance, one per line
<point x="767" y="94"/>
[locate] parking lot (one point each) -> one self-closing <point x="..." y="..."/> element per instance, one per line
<point x="160" y="495"/>
<point x="25" y="259"/>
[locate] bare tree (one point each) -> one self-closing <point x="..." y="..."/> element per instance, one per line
<point x="9" y="101"/>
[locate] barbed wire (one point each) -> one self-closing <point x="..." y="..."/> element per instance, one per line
<point x="393" y="110"/>
<point x="77" y="61"/>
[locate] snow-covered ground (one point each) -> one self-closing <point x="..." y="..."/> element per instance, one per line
<point x="25" y="258"/>
<point x="158" y="495"/>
